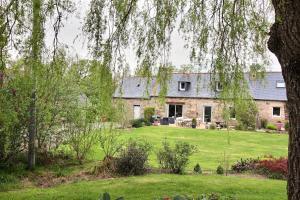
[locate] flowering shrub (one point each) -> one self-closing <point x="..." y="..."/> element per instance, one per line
<point x="274" y="168"/>
<point x="245" y="165"/>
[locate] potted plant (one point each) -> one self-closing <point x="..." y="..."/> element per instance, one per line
<point x="194" y="123"/>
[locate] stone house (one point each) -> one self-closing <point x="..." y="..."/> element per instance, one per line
<point x="191" y="96"/>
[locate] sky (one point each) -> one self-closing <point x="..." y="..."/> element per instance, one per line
<point x="71" y="35"/>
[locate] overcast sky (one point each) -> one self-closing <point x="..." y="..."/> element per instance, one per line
<point x="77" y="43"/>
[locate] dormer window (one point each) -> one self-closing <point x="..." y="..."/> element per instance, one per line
<point x="183" y="86"/>
<point x="280" y="84"/>
<point x="219" y="86"/>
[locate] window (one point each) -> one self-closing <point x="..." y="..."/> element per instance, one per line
<point x="276" y="111"/>
<point x="280" y="84"/>
<point x="183" y="86"/>
<point x="219" y="86"/>
<point x="232" y="112"/>
<point x="175" y="110"/>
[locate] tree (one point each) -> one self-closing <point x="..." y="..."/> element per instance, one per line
<point x="233" y="32"/>
<point x="284" y="42"/>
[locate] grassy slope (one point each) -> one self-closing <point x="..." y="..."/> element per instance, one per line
<point x="151" y="186"/>
<point x="211" y="144"/>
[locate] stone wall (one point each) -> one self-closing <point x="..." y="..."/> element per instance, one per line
<point x="194" y="108"/>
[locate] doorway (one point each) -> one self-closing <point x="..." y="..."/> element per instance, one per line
<point x="207" y="114"/>
<point x="136" y="111"/>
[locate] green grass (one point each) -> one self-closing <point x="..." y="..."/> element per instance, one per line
<point x="152" y="186"/>
<point x="211" y="144"/>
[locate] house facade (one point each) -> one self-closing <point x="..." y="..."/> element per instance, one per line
<point x="191" y="96"/>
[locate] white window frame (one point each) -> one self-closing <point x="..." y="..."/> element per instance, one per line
<point x="218" y="83"/>
<point x="180" y="86"/>
<point x="279" y="111"/>
<point x="280" y="84"/>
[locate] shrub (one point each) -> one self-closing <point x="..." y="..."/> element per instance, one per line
<point x="220" y="170"/>
<point x="175" y="159"/>
<point x="197" y="169"/>
<point x="194" y="121"/>
<point x="137" y="123"/>
<point x="273" y="168"/>
<point x="212" y="196"/>
<point x="106" y="196"/>
<point x="271" y="126"/>
<point x="246" y="114"/>
<point x="244" y="165"/>
<point x="212" y="126"/>
<point x="133" y="159"/>
<point x="148" y="113"/>
<point x="264" y="123"/>
<point x="286" y="126"/>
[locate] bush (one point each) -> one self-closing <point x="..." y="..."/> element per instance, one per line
<point x="246" y="114"/>
<point x="175" y="159"/>
<point x="264" y="123"/>
<point x="273" y="168"/>
<point x="286" y="126"/>
<point x="212" y="196"/>
<point x="220" y="170"/>
<point x="244" y="165"/>
<point x="148" y="113"/>
<point x="212" y="126"/>
<point x="133" y="159"/>
<point x="271" y="126"/>
<point x="197" y="169"/>
<point x="137" y="123"/>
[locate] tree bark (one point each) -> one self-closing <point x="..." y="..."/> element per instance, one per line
<point x="36" y="45"/>
<point x="284" y="42"/>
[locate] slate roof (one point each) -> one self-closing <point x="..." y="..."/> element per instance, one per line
<point x="137" y="87"/>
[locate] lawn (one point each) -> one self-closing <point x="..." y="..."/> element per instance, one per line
<point x="211" y="144"/>
<point x="154" y="186"/>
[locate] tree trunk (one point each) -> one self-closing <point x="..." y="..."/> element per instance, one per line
<point x="284" y="42"/>
<point x="36" y="43"/>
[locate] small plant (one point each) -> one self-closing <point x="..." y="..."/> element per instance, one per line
<point x="220" y="170"/>
<point x="212" y="126"/>
<point x="271" y="126"/>
<point x="212" y="196"/>
<point x="194" y="123"/>
<point x="264" y="123"/>
<point x="106" y="196"/>
<point x="133" y="159"/>
<point x="197" y="169"/>
<point x="175" y="159"/>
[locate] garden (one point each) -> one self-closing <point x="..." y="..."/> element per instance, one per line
<point x="155" y="162"/>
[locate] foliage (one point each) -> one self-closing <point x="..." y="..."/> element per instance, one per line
<point x="148" y="113"/>
<point x="286" y="126"/>
<point x="212" y="196"/>
<point x="274" y="168"/>
<point x="264" y="123"/>
<point x="194" y="122"/>
<point x="212" y="126"/>
<point x="109" y="138"/>
<point x="246" y="112"/>
<point x="133" y="159"/>
<point x="244" y="165"/>
<point x="197" y="169"/>
<point x="137" y="123"/>
<point x="175" y="159"/>
<point x="271" y="126"/>
<point x="106" y="196"/>
<point x="220" y="170"/>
